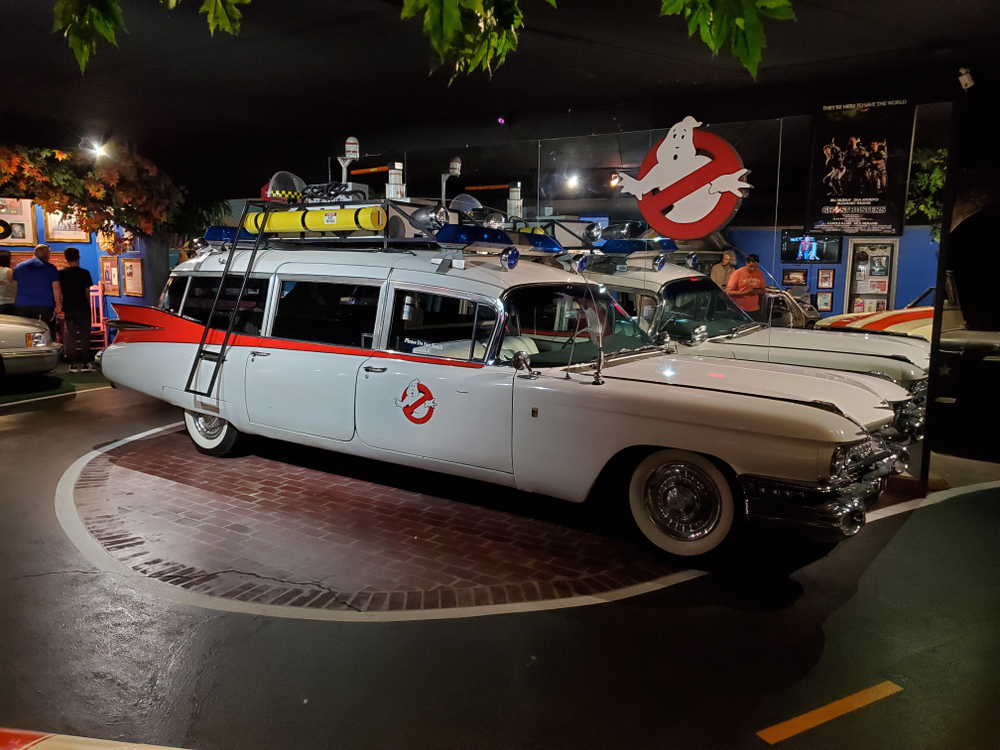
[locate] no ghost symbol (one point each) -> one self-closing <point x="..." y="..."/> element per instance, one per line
<point x="690" y="184"/>
<point x="417" y="402"/>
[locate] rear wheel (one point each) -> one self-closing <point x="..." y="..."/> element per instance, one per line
<point x="212" y="435"/>
<point x="681" y="502"/>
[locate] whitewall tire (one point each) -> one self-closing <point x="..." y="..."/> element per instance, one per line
<point x="210" y="434"/>
<point x="681" y="502"/>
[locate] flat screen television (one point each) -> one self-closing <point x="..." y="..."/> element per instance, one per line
<point x="799" y="246"/>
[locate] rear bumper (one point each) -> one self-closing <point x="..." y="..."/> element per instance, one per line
<point x="31" y="360"/>
<point x="828" y="511"/>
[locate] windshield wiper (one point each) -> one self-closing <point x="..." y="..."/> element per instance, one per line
<point x="621" y="352"/>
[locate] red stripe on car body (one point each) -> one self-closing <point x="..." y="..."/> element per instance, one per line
<point x="169" y="328"/>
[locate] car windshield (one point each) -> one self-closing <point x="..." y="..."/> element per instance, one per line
<point x="698" y="301"/>
<point x="565" y="324"/>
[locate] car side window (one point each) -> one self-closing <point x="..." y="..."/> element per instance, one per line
<point x="249" y="318"/>
<point x="440" y="326"/>
<point x="341" y="313"/>
<point x="173" y="294"/>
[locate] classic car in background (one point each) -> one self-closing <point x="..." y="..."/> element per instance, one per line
<point x="704" y="321"/>
<point x="452" y="356"/>
<point x="26" y="346"/>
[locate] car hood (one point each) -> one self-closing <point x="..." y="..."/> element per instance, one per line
<point x="915" y="351"/>
<point x="858" y="397"/>
<point x="21" y="325"/>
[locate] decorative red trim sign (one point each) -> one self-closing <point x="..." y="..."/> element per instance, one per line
<point x="693" y="166"/>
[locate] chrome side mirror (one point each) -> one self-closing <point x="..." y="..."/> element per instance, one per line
<point x="699" y="335"/>
<point x="522" y="361"/>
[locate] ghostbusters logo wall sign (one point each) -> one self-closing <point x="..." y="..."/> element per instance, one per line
<point x="690" y="184"/>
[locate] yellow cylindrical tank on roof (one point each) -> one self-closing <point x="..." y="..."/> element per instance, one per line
<point x="371" y="218"/>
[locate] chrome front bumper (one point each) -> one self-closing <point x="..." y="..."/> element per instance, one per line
<point x="832" y="510"/>
<point x="36" y="359"/>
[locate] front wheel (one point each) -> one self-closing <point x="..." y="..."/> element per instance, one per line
<point x="212" y="435"/>
<point x="681" y="502"/>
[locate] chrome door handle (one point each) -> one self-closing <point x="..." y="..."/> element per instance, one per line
<point x="260" y="354"/>
<point x="369" y="368"/>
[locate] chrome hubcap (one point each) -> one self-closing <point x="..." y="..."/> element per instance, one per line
<point x="682" y="501"/>
<point x="208" y="427"/>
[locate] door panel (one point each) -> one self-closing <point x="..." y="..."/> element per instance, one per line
<point x="444" y="411"/>
<point x="311" y="392"/>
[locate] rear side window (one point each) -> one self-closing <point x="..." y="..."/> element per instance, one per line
<point x="440" y="326"/>
<point x="201" y="294"/>
<point x="173" y="294"/>
<point x="327" y="313"/>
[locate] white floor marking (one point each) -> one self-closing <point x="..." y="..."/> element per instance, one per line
<point x="77" y="532"/>
<point x="56" y="395"/>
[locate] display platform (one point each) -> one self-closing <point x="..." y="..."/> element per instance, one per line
<point x="299" y="533"/>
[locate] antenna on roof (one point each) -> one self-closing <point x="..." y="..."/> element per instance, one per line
<point x="352" y="151"/>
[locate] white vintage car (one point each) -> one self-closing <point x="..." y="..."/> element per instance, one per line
<point x="524" y="375"/>
<point x="26" y="346"/>
<point x="704" y="321"/>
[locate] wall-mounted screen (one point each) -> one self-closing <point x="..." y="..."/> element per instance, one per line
<point x="798" y="246"/>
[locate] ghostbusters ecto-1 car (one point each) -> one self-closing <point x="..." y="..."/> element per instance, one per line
<point x="447" y="354"/>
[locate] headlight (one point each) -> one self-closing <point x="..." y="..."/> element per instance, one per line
<point x="847" y="457"/>
<point x="35" y="339"/>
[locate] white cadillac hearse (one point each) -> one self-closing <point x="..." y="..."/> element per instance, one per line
<point x="451" y="356"/>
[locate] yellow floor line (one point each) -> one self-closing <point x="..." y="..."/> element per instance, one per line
<point x="799" y="724"/>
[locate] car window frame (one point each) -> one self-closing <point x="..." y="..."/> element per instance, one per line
<point x="275" y="297"/>
<point x="388" y="304"/>
<point x="263" y="276"/>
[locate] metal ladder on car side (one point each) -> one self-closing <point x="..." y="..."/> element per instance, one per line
<point x="203" y="354"/>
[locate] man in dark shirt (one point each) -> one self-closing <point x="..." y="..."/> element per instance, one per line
<point x="38" y="294"/>
<point x="76" y="283"/>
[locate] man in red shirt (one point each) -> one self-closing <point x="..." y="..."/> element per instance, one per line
<point x="746" y="286"/>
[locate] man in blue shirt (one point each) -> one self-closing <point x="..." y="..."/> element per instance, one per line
<point x="39" y="295"/>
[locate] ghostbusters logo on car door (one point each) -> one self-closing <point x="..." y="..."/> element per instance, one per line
<point x="417" y="402"/>
<point x="690" y="184"/>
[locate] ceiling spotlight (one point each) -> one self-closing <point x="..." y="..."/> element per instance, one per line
<point x="500" y="121"/>
<point x="573" y="180"/>
<point x="615" y="179"/>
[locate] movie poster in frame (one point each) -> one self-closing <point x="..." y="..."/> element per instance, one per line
<point x="62" y="228"/>
<point x="20" y="214"/>
<point x="860" y="167"/>
<point x="824" y="301"/>
<point x="132" y="277"/>
<point x="825" y="278"/>
<point x="795" y="277"/>
<point x="109" y="276"/>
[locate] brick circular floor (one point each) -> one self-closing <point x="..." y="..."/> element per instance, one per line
<point x="302" y="528"/>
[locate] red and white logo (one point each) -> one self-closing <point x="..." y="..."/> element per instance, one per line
<point x="417" y="402"/>
<point x="690" y="184"/>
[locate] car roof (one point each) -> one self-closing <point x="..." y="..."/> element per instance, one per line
<point x="479" y="268"/>
<point x="635" y="275"/>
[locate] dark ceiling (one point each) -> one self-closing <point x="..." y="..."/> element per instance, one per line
<point x="305" y="73"/>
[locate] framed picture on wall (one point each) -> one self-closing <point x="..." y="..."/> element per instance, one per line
<point x="109" y="276"/>
<point x="20" y="214"/>
<point x="62" y="228"/>
<point x="794" y="276"/>
<point x="132" y="277"/>
<point x="824" y="278"/>
<point x="824" y="301"/>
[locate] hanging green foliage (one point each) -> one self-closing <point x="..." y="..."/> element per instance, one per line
<point x="465" y="35"/>
<point x="736" y="23"/>
<point x="84" y="22"/>
<point x="926" y="194"/>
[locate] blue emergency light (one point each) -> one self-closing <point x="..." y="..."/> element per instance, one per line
<point x="463" y="234"/>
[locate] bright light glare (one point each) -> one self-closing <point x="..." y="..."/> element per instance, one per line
<point x="99" y="149"/>
<point x="573" y="180"/>
<point x="615" y="180"/>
